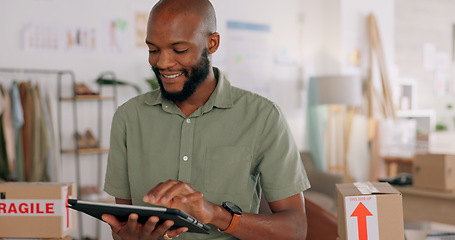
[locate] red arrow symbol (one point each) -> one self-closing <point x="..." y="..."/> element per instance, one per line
<point x="361" y="212"/>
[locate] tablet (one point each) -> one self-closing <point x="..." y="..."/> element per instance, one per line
<point x="122" y="211"/>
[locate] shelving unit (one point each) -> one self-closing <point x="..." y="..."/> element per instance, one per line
<point x="74" y="100"/>
<point x="77" y="151"/>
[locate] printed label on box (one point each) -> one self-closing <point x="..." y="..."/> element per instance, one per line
<point x="362" y="217"/>
<point x="31" y="207"/>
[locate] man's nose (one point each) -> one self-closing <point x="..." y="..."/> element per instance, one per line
<point x="165" y="60"/>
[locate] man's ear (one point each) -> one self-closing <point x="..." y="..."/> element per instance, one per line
<point x="214" y="42"/>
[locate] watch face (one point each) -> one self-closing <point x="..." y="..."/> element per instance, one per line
<point x="233" y="208"/>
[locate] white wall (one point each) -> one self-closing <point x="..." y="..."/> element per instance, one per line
<point x="87" y="65"/>
<point x="333" y="28"/>
<point x="132" y="65"/>
<point x="427" y="22"/>
<point x="282" y="16"/>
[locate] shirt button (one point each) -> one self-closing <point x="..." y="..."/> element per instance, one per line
<point x="185" y="158"/>
<point x="188" y="120"/>
<point x="165" y="106"/>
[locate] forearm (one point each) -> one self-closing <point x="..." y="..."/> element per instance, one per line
<point x="281" y="225"/>
<point x="288" y="220"/>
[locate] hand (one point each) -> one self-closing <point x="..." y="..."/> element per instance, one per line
<point x="183" y="196"/>
<point x="131" y="229"/>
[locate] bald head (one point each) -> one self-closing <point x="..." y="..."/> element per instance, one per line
<point x="203" y="9"/>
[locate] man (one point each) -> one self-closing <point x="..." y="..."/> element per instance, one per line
<point x="200" y="145"/>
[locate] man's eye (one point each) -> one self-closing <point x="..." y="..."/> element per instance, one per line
<point x="153" y="51"/>
<point x="180" y="51"/>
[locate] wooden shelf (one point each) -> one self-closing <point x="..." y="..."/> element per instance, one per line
<point x="87" y="97"/>
<point x="87" y="150"/>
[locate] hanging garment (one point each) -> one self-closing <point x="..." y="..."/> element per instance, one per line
<point x="2" y="103"/>
<point x="49" y="170"/>
<point x="27" y="130"/>
<point x="8" y="130"/>
<point x="18" y="121"/>
<point x="49" y="105"/>
<point x="40" y="143"/>
<point x="4" y="170"/>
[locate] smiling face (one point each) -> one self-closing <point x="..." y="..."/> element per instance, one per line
<point x="179" y="46"/>
<point x="195" y="76"/>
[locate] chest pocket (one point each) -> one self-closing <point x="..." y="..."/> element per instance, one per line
<point x="227" y="170"/>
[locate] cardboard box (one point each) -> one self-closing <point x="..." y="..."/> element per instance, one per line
<point x="36" y="210"/>
<point x="434" y="171"/>
<point x="372" y="211"/>
<point x="64" y="238"/>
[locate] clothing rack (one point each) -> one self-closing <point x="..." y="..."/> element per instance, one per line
<point x="59" y="74"/>
<point x="65" y="75"/>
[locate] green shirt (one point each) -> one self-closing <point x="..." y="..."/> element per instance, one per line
<point x="230" y="149"/>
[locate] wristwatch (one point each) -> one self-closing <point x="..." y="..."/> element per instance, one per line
<point x="236" y="212"/>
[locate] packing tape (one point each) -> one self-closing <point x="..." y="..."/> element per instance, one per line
<point x="366" y="187"/>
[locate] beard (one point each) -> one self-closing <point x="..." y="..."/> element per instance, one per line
<point x="199" y="73"/>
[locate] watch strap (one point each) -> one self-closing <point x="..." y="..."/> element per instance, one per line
<point x="233" y="224"/>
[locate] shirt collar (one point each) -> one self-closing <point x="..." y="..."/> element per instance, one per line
<point x="220" y="98"/>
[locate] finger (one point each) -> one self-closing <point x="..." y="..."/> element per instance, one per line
<point x="149" y="196"/>
<point x="155" y="195"/>
<point x="131" y="224"/>
<point x="115" y="224"/>
<point x="179" y="189"/>
<point x="161" y="229"/>
<point x="150" y="225"/>
<point x="174" y="233"/>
